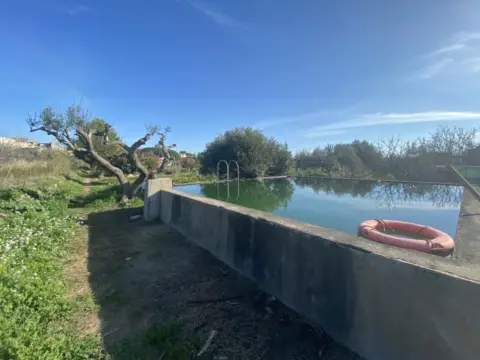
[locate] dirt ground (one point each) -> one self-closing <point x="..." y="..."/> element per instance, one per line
<point x="155" y="295"/>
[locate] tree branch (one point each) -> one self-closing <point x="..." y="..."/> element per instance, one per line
<point x="87" y="138"/>
<point x="56" y="135"/>
<point x="164" y="148"/>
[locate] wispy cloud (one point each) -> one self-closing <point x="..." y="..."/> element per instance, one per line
<point x="323" y="133"/>
<point x="433" y="69"/>
<point x="272" y="122"/>
<point x="75" y="9"/>
<point x="447" y="49"/>
<point x="461" y="49"/>
<point x="314" y="116"/>
<point x="383" y="119"/>
<point x="465" y="37"/>
<point x="216" y="15"/>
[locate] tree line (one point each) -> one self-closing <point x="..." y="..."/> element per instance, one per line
<point x="96" y="142"/>
<point x="420" y="159"/>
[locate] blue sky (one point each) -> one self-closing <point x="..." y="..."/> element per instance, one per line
<point x="308" y="72"/>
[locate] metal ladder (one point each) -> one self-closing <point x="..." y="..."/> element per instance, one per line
<point x="228" y="178"/>
<point x="228" y="169"/>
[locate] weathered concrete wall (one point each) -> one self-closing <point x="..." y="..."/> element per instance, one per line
<point x="151" y="209"/>
<point x="382" y="302"/>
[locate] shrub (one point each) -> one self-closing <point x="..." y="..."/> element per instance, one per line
<point x="256" y="154"/>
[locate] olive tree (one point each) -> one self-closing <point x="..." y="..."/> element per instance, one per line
<point x="74" y="130"/>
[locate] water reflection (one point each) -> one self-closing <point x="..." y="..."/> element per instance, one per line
<point x="343" y="204"/>
<point x="389" y="195"/>
<point x="265" y="195"/>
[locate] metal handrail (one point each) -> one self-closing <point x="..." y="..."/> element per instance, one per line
<point x="466" y="183"/>
<point x="228" y="178"/>
<point x="218" y="169"/>
<point x="238" y="168"/>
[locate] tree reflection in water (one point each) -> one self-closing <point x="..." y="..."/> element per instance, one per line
<point x="387" y="194"/>
<point x="270" y="195"/>
<point x="265" y="195"/>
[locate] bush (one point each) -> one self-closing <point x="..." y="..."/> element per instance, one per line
<point x="189" y="163"/>
<point x="256" y="154"/>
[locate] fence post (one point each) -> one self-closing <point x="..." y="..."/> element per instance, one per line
<point x="152" y="200"/>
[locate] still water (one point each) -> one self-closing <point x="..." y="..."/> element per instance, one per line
<point x="342" y="204"/>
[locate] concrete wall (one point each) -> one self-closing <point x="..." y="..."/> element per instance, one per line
<point x="152" y="197"/>
<point x="370" y="297"/>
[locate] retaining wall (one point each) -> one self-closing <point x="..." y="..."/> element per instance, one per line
<point x="382" y="302"/>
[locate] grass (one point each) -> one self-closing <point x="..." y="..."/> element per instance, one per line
<point x="47" y="315"/>
<point x="34" y="308"/>
<point x="184" y="178"/>
<point x="23" y="172"/>
<point x="105" y="192"/>
<point x="177" y="178"/>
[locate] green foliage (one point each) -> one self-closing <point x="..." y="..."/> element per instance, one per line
<point x="324" y="160"/>
<point x="105" y="146"/>
<point x="157" y="151"/>
<point x="189" y="163"/>
<point x="33" y="241"/>
<point x="150" y="162"/>
<point x="184" y="178"/>
<point x="256" y="154"/>
<point x="122" y="162"/>
<point x="100" y="197"/>
<point x="391" y="158"/>
<point x="173" y="154"/>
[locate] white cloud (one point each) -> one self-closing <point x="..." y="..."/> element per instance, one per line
<point x="331" y="113"/>
<point x="75" y="9"/>
<point x="434" y="69"/>
<point x="217" y="16"/>
<point x="381" y="119"/>
<point x="463" y="51"/>
<point x="272" y="122"/>
<point x="465" y="37"/>
<point x="323" y="133"/>
<point x="447" y="49"/>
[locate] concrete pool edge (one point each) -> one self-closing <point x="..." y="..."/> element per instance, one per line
<point x="449" y="266"/>
<point x="383" y="302"/>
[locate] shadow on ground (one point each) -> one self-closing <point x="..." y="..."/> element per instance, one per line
<point x="161" y="297"/>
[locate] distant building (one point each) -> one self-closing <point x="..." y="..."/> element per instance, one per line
<point x="184" y="154"/>
<point x="17" y="143"/>
<point x="51" y="145"/>
<point x="22" y="143"/>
